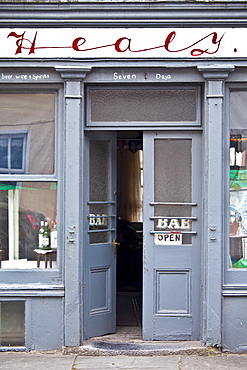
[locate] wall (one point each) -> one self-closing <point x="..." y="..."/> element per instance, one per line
<point x="44" y="323"/>
<point x="234" y="324"/>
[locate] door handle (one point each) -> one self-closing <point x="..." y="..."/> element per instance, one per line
<point x="115" y="244"/>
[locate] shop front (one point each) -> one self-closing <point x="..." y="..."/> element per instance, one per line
<point x="122" y="176"/>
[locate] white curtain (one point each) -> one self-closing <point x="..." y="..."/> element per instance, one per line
<point x="129" y="194"/>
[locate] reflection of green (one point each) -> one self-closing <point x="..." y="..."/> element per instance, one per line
<point x="238" y="179"/>
<point x="240" y="264"/>
<point x="53" y="186"/>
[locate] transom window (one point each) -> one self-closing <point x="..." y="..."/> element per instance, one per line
<point x="162" y="106"/>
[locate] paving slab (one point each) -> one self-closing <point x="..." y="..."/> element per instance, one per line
<point x="126" y="363"/>
<point x="172" y="362"/>
<point x="58" y="361"/>
<point x="35" y="361"/>
<point x="219" y="362"/>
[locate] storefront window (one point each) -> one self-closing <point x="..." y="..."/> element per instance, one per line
<point x="27" y="208"/>
<point x="27" y="133"/>
<point x="238" y="179"/>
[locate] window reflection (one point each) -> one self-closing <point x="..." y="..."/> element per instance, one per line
<point x="24" y="207"/>
<point x="27" y="133"/>
<point x="13" y="151"/>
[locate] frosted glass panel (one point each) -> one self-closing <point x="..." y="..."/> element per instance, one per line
<point x="99" y="191"/>
<point x="143" y="105"/>
<point x="173" y="169"/>
<point x="99" y="170"/>
<point x="12" y="324"/>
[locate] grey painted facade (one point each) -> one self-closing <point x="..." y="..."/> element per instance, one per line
<point x="54" y="299"/>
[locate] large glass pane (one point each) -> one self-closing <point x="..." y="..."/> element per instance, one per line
<point x="238" y="179"/>
<point x="27" y="208"/>
<point x="32" y="117"/>
<point x="172" y="184"/>
<point x="12" y="324"/>
<point x="100" y="207"/>
<point x="143" y="105"/>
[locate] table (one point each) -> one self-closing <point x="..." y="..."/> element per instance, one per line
<point x="1" y="257"/>
<point x="238" y="246"/>
<point x="47" y="253"/>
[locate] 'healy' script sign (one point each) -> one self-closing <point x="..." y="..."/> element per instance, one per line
<point x="123" y="43"/>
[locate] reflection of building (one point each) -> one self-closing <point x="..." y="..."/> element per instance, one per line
<point x="34" y="124"/>
<point x="78" y="104"/>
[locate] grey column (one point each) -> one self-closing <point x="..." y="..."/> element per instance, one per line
<point x="213" y="202"/>
<point x="73" y="154"/>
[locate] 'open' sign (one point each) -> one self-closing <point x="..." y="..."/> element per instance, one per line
<point x="169" y="238"/>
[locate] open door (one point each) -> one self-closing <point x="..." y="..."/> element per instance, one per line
<point x="172" y="236"/>
<point x="99" y="250"/>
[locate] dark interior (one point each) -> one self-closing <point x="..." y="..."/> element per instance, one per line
<point x="129" y="269"/>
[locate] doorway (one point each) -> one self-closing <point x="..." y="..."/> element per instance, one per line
<point x="129" y="229"/>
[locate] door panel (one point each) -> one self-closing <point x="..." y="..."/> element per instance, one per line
<point x="100" y="260"/>
<point x="172" y="242"/>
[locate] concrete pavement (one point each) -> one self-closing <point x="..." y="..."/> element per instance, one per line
<point x="59" y="361"/>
